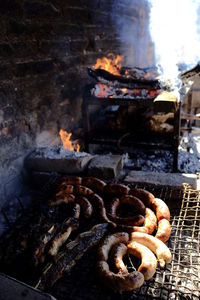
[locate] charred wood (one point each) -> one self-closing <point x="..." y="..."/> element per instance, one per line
<point x="119" y="81"/>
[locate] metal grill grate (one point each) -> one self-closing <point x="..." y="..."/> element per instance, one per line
<point x="181" y="278"/>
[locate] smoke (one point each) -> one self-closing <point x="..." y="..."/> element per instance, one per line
<point x="131" y="20"/>
<point x="175" y="31"/>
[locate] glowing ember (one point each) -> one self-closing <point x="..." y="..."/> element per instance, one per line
<point x="101" y="90"/>
<point x="67" y="143"/>
<point x="124" y="90"/>
<point x="111" y="63"/>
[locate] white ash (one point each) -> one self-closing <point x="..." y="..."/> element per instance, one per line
<point x="58" y="153"/>
<point x="158" y="161"/>
<point x="189" y="154"/>
<point x="162" y="161"/>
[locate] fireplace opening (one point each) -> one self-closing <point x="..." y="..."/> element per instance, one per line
<point x="83" y="98"/>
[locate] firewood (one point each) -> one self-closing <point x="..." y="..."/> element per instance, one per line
<point x="105" y="77"/>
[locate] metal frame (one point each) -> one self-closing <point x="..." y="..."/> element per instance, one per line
<point x="89" y="100"/>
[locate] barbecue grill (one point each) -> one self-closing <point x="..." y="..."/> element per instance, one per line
<point x="129" y="139"/>
<point x="180" y="278"/>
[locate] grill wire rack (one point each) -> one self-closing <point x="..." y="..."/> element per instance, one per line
<point x="180" y="280"/>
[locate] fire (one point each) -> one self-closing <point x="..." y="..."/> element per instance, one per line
<point x="124" y="90"/>
<point x="67" y="143"/>
<point x="111" y="63"/>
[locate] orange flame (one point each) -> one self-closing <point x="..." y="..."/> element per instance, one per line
<point x="67" y="144"/>
<point x="124" y="90"/>
<point x="111" y="63"/>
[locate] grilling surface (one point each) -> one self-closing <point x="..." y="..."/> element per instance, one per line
<point x="179" y="280"/>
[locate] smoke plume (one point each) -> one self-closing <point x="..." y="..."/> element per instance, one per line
<point x="175" y="31"/>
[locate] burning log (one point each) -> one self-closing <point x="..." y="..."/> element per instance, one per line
<point x="73" y="252"/>
<point x="110" y="79"/>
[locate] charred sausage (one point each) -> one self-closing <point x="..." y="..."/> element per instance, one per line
<point x="64" y="232"/>
<point x="97" y="201"/>
<point x="94" y="183"/>
<point x="82" y="190"/>
<point x="109" y="242"/>
<point x="116" y="189"/>
<point x="85" y="205"/>
<point x="117" y="254"/>
<point x="68" y="198"/>
<point x="119" y="283"/>
<point x="73" y="180"/>
<point x="145" y="196"/>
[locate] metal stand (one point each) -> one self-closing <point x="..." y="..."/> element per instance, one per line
<point x="166" y="106"/>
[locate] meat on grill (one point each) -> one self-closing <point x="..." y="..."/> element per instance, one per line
<point x="73" y="251"/>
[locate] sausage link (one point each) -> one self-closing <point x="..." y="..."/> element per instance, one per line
<point x="94" y="183"/>
<point x="155" y="245"/>
<point x="82" y="190"/>
<point x="64" y="232"/>
<point x="136" y="220"/>
<point x="129" y="222"/>
<point x="116" y="189"/>
<point x="109" y="242"/>
<point x="85" y="206"/>
<point x="148" y="260"/>
<point x="150" y="223"/>
<point x="137" y="204"/>
<point x="145" y="196"/>
<point x="68" y="198"/>
<point x="73" y="180"/>
<point x="164" y="230"/>
<point x="161" y="209"/>
<point x="117" y="254"/>
<point x="118" y="282"/>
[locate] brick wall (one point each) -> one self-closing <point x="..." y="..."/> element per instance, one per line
<point x="45" y="47"/>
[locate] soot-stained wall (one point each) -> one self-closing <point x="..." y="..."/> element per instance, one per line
<point x="45" y="47"/>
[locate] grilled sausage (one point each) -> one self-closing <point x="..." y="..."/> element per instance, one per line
<point x="150" y="223"/>
<point x="109" y="242"/>
<point x="94" y="183"/>
<point x="85" y="205"/>
<point x="164" y="230"/>
<point x="137" y="206"/>
<point x="117" y="254"/>
<point x="158" y="205"/>
<point x="145" y="196"/>
<point x="68" y="189"/>
<point x="116" y="189"/>
<point x="155" y="245"/>
<point x="120" y="283"/>
<point x="68" y="198"/>
<point x="148" y="260"/>
<point x="127" y="224"/>
<point x="39" y="250"/>
<point x="82" y="190"/>
<point x="161" y="209"/>
<point x="73" y="251"/>
<point x="73" y="180"/>
<point x="97" y="201"/>
<point x="64" y="232"/>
